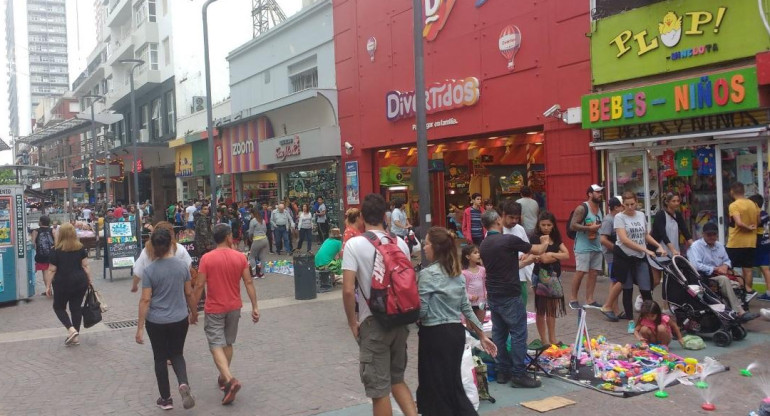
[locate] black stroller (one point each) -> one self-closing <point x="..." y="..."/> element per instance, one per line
<point x="697" y="308"/>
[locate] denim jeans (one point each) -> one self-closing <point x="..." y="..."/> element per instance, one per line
<point x="282" y="241"/>
<point x="305" y="234"/>
<point x="509" y="317"/>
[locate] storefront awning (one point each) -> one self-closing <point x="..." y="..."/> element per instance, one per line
<point x="644" y="142"/>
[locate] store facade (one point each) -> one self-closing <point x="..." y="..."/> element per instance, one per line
<point x="240" y="158"/>
<point x="681" y="110"/>
<point x="492" y="70"/>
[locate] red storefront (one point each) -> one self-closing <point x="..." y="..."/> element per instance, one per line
<point x="492" y="69"/>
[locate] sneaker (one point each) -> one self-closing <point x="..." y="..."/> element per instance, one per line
<point x="638" y="303"/>
<point x="631" y="327"/>
<point x="765" y="297"/>
<point x="253" y="270"/>
<point x="188" y="401"/>
<point x="592" y="305"/>
<point x="503" y="378"/>
<point x="70" y="338"/>
<point x="574" y="305"/>
<point x="610" y="315"/>
<point x="231" y="389"/>
<point x="525" y="381"/>
<point x="765" y="313"/>
<point x="749" y="296"/>
<point x="165" y="404"/>
<point x="748" y="316"/>
<point x="221" y="382"/>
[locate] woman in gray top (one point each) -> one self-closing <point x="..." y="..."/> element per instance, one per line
<point x="166" y="307"/>
<point x="259" y="243"/>
<point x="442" y="337"/>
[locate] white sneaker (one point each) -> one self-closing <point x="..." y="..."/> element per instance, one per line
<point x="765" y="313"/>
<point x="638" y="303"/>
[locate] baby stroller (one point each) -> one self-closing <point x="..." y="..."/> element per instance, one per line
<point x="697" y="308"/>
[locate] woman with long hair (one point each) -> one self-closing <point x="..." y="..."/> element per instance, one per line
<point x="629" y="265"/>
<point x="259" y="242"/>
<point x="442" y="336"/>
<point x="69" y="277"/>
<point x="166" y="308"/>
<point x="305" y="225"/>
<point x="147" y="256"/>
<point x="546" y="278"/>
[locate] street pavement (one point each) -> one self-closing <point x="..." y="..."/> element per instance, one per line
<point x="300" y="359"/>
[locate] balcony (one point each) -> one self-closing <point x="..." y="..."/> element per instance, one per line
<point x="146" y="33"/>
<point x="87" y="80"/>
<point x="119" y="11"/>
<point x="144" y="81"/>
<point x="121" y="49"/>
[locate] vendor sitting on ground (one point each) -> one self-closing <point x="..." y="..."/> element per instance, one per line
<point x="328" y="256"/>
<point x="710" y="258"/>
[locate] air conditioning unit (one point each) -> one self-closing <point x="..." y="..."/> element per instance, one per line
<point x="144" y="136"/>
<point x="198" y="104"/>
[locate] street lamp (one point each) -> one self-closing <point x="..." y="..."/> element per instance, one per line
<point x="209" y="110"/>
<point x="423" y="181"/>
<point x="135" y="134"/>
<point x="94" y="99"/>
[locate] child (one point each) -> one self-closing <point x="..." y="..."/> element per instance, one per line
<point x="762" y="256"/>
<point x="475" y="280"/>
<point x="546" y="278"/>
<point x="653" y="327"/>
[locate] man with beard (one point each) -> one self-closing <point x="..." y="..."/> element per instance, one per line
<point x="586" y="221"/>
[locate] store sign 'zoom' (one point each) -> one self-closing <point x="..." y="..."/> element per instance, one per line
<point x="440" y="96"/>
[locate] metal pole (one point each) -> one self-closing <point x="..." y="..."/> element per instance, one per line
<point x="135" y="134"/>
<point x="423" y="181"/>
<point x="93" y="153"/>
<point x="209" y="111"/>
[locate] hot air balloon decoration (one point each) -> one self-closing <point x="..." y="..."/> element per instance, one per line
<point x="371" y="47"/>
<point x="509" y="43"/>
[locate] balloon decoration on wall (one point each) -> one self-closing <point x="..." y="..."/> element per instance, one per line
<point x="509" y="43"/>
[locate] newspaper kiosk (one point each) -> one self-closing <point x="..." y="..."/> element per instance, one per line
<point x="17" y="271"/>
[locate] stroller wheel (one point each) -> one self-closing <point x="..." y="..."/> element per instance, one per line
<point x="738" y="332"/>
<point x="722" y="338"/>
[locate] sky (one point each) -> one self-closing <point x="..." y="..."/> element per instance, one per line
<point x="81" y="39"/>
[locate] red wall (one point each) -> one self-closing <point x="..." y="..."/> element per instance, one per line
<point x="552" y="66"/>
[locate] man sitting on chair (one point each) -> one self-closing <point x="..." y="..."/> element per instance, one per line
<point x="328" y="256"/>
<point x="710" y="258"/>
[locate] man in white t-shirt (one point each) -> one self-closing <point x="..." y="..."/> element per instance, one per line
<point x="190" y="212"/>
<point x="511" y="211"/>
<point x="382" y="372"/>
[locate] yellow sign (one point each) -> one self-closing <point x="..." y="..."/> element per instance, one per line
<point x="184" y="161"/>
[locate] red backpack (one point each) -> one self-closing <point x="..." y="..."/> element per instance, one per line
<point x="394" y="299"/>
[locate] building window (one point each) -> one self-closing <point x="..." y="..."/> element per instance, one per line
<point x="304" y="80"/>
<point x="140" y="13"/>
<point x="157" y="123"/>
<point x="151" y="10"/>
<point x="166" y="52"/>
<point x="145" y="116"/>
<point x="170" y="112"/>
<point x="149" y="54"/>
<point x="154" y="56"/>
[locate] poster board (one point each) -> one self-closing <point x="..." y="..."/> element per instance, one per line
<point x="122" y="245"/>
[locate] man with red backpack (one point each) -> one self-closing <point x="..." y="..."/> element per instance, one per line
<point x="376" y="267"/>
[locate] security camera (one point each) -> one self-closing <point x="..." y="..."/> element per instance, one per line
<point x="554" y="110"/>
<point x="348" y="147"/>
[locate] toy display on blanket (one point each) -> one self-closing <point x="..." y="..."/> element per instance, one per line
<point x="629" y="368"/>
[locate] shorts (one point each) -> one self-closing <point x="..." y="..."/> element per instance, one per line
<point x="382" y="356"/>
<point x="762" y="256"/>
<point x="42" y="266"/>
<point x="742" y="257"/>
<point x="221" y="328"/>
<point x="591" y="260"/>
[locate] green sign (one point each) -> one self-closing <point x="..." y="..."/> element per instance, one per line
<point x="723" y="92"/>
<point x="200" y="156"/>
<point x="675" y="35"/>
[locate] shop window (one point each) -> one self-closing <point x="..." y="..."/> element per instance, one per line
<point x="157" y="121"/>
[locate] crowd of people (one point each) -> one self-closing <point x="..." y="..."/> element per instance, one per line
<point x="491" y="269"/>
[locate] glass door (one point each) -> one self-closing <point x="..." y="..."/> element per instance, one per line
<point x="738" y="163"/>
<point x="630" y="172"/>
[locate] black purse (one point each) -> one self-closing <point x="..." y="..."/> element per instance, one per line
<point x="92" y="309"/>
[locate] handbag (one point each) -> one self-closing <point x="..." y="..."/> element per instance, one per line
<point x="92" y="310"/>
<point x="548" y="284"/>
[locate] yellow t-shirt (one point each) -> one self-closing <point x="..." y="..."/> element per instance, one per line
<point x="749" y="213"/>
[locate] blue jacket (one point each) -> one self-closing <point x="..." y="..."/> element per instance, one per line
<point x="443" y="298"/>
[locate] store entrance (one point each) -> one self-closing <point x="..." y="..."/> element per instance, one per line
<point x="700" y="173"/>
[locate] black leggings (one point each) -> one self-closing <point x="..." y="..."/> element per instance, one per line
<point x="168" y="344"/>
<point x="628" y="300"/>
<point x="72" y="293"/>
